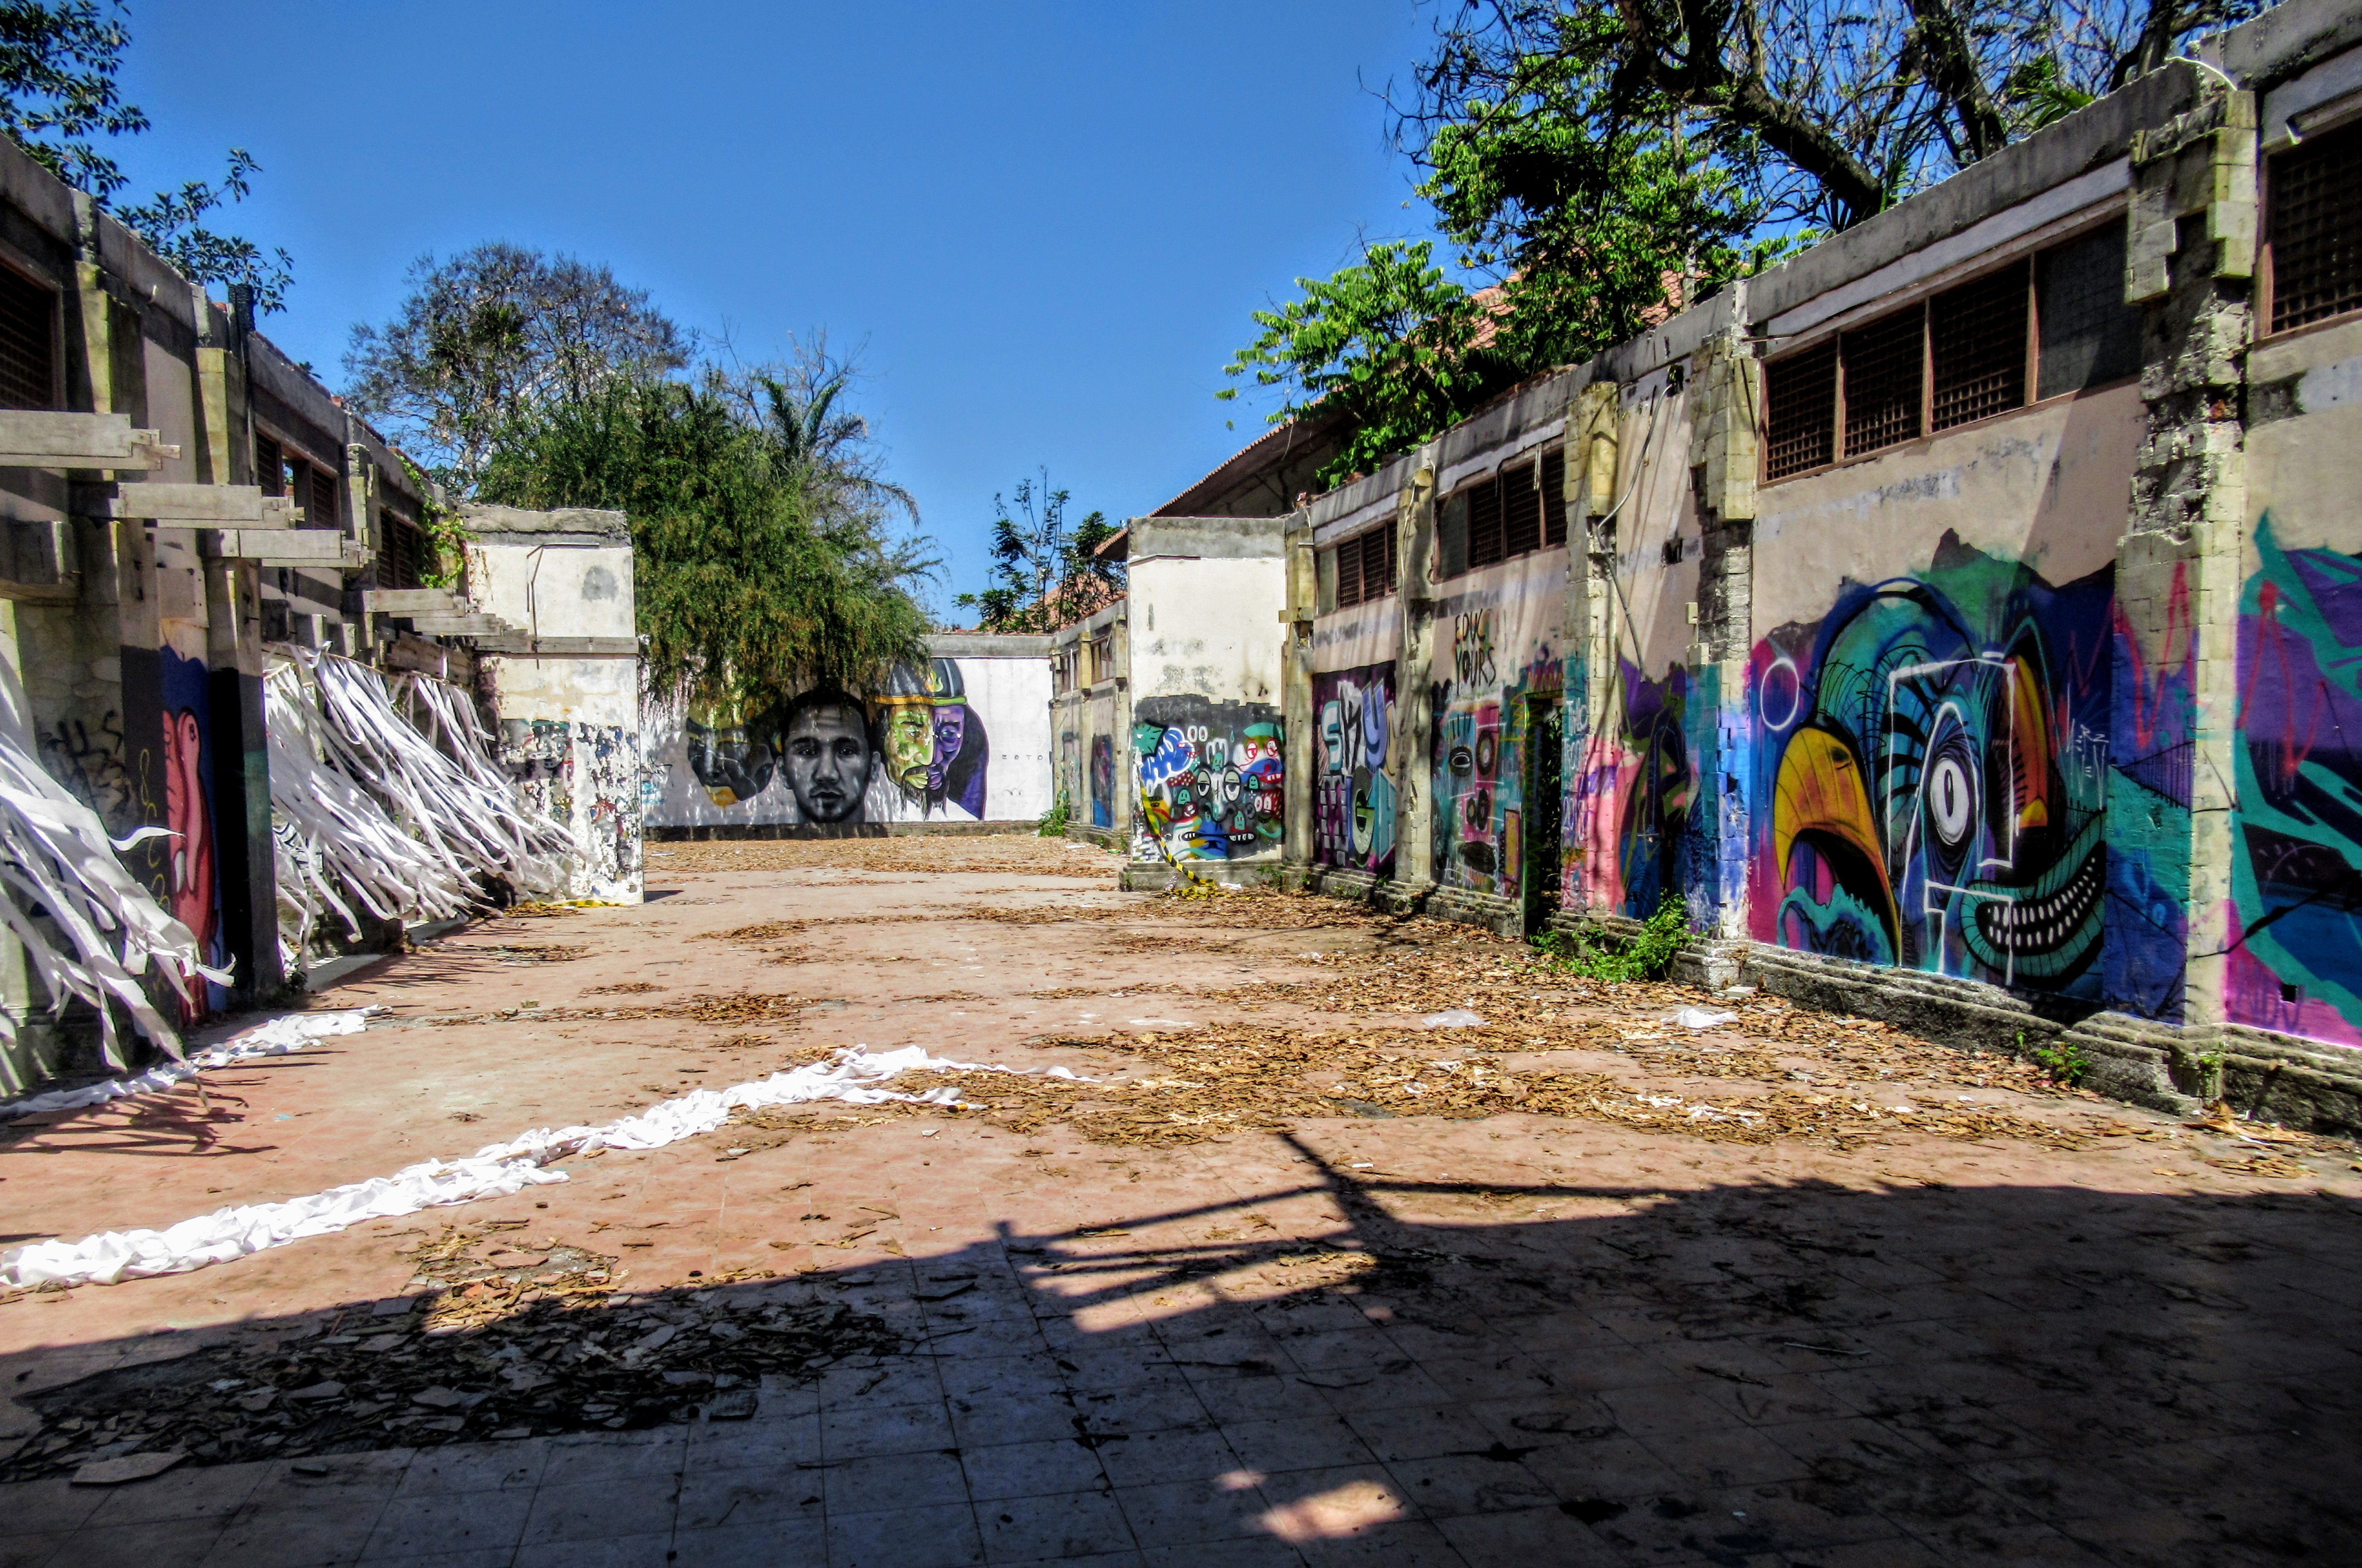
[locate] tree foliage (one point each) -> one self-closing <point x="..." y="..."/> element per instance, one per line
<point x="57" y="92"/>
<point x="757" y="563"/>
<point x="1042" y="577"/>
<point x="498" y="338"/>
<point x="1606" y="163"/>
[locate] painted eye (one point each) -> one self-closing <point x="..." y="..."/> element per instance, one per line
<point x="1951" y="800"/>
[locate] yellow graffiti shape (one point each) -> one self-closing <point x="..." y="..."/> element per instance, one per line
<point x="2029" y="746"/>
<point x="1821" y="790"/>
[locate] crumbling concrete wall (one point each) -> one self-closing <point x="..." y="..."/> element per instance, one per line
<point x="2012" y="714"/>
<point x="1205" y="760"/>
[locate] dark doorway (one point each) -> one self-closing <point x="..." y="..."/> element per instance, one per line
<point x="1545" y="746"/>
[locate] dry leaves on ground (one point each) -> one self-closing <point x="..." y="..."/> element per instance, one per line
<point x="528" y="1337"/>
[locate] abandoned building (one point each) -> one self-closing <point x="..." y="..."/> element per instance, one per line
<point x="1956" y="621"/>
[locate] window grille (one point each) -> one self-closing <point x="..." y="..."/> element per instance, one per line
<point x="1363" y="570"/>
<point x="2316" y="229"/>
<point x="1883" y="368"/>
<point x="29" y="365"/>
<point x="1802" y="392"/>
<point x="1451" y="536"/>
<point x="401" y="563"/>
<point x="269" y="467"/>
<point x="327" y="509"/>
<point x="1521" y="509"/>
<point x="1486" y="542"/>
<point x="2089" y="335"/>
<point x="1553" y="499"/>
<point x="1976" y="344"/>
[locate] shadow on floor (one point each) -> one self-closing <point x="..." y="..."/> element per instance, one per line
<point x="1763" y="1374"/>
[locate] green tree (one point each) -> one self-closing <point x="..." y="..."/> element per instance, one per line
<point x="1044" y="576"/>
<point x="1394" y="342"/>
<point x="58" y="91"/>
<point x="1608" y="163"/>
<point x="745" y="574"/>
<point x="499" y="338"/>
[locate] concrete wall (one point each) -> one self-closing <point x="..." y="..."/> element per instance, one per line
<point x="1206" y="752"/>
<point x="2032" y="728"/>
<point x="967" y="739"/>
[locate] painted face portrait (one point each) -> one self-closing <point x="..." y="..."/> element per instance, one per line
<point x="731" y="764"/>
<point x="909" y="742"/>
<point x="827" y="761"/>
<point x="951" y="734"/>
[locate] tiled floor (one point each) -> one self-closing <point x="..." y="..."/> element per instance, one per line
<point x="1583" y="1345"/>
<point x="1510" y="1398"/>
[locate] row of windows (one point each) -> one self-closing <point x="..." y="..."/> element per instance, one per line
<point x="2056" y="322"/>
<point x="1084" y="664"/>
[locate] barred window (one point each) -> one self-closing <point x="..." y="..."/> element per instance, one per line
<point x="1361" y="568"/>
<point x="1521" y="509"/>
<point x="28" y="357"/>
<point x="269" y="467"/>
<point x="2316" y="229"/>
<point x="1802" y="392"/>
<point x="1553" y="498"/>
<point x="402" y="561"/>
<point x="1976" y="346"/>
<point x="1486" y="542"/>
<point x="2089" y="335"/>
<point x="327" y="509"/>
<point x="1881" y="370"/>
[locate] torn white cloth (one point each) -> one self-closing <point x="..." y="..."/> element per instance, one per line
<point x="292" y="1031"/>
<point x="1451" y="1018"/>
<point x="100" y="930"/>
<point x="1698" y="1018"/>
<point x="497" y="1170"/>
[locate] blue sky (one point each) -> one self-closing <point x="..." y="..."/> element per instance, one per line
<point x="1041" y="225"/>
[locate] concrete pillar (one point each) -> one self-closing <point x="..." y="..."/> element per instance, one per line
<point x="1593" y="420"/>
<point x="1413" y="759"/>
<point x="1725" y="393"/>
<point x="1296" y="689"/>
<point x="2190" y="259"/>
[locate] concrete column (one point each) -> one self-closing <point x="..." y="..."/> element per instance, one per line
<point x="1296" y="689"/>
<point x="244" y="858"/>
<point x="1726" y="394"/>
<point x="2190" y="258"/>
<point x="1413" y="760"/>
<point x="1594" y="426"/>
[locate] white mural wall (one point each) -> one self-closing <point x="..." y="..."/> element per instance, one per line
<point x="959" y="740"/>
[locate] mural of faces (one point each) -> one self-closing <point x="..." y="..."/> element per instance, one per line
<point x="933" y="746"/>
<point x="827" y="763"/>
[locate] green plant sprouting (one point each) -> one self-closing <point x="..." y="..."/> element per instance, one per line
<point x="1645" y="956"/>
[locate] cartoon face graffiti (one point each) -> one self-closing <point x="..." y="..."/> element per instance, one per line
<point x="731" y="751"/>
<point x="1207" y="795"/>
<point x="827" y="757"/>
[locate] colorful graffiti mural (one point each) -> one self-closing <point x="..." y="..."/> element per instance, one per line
<point x="919" y="748"/>
<point x="1937" y="760"/>
<point x="1353" y="798"/>
<point x="1631" y="796"/>
<point x="193" y="893"/>
<point x="1211" y="779"/>
<point x="2296" y="955"/>
<point x="2150" y="745"/>
<point x="1102" y="781"/>
<point x="935" y="746"/>
<point x="1479" y="765"/>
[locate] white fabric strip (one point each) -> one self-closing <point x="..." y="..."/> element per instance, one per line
<point x="497" y="1170"/>
<point x="277" y="1038"/>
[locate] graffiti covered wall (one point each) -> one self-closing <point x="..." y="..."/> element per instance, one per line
<point x="959" y="740"/>
<point x="1496" y="654"/>
<point x="1354" y="797"/>
<point x="1211" y="777"/>
<point x="1935" y="768"/>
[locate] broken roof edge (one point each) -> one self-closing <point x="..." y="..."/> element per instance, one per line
<point x="488" y="522"/>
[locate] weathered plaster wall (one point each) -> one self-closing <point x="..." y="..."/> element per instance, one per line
<point x="2296" y="959"/>
<point x="1207" y="748"/>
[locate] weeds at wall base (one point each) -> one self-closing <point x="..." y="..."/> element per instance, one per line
<point x="1647" y="955"/>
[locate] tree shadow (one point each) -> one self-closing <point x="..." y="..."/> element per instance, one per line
<point x="1770" y="1373"/>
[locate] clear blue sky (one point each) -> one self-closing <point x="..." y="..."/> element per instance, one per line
<point x="1042" y="225"/>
